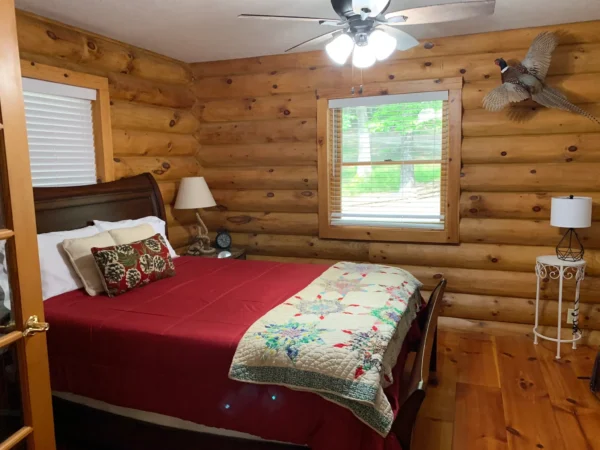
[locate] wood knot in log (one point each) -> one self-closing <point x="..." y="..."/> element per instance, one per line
<point x="429" y="45"/>
<point x="463" y="71"/>
<point x="437" y="276"/>
<point x="572" y="148"/>
<point x="91" y="45"/>
<point x="51" y="35"/>
<point x="307" y="194"/>
<point x="533" y="171"/>
<point x="166" y="165"/>
<point x="270" y="195"/>
<point x="391" y="77"/>
<point x="158" y="172"/>
<point x="239" y="220"/>
<point x="474" y="198"/>
<point x="503" y="153"/>
<point x="286" y="112"/>
<point x="536" y="209"/>
<point x="117" y="160"/>
<point x="428" y="64"/>
<point x="229" y="81"/>
<point x="172" y="123"/>
<point x="275" y="86"/>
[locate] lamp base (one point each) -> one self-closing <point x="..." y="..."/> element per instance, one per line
<point x="570" y="247"/>
<point x="200" y="248"/>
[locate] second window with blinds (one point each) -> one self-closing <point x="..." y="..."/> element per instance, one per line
<point x="388" y="167"/>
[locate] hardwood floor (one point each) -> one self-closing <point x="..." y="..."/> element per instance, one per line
<point x="505" y="393"/>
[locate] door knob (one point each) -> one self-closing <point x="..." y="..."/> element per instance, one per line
<point x="33" y="326"/>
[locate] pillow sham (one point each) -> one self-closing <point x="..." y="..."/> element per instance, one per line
<point x="127" y="266"/>
<point x="132" y="234"/>
<point x="158" y="225"/>
<point x="80" y="253"/>
<point x="58" y="274"/>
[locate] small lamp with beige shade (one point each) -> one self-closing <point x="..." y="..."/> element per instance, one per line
<point x="195" y="194"/>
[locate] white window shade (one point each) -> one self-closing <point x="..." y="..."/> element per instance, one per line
<point x="389" y="161"/>
<point x="60" y="132"/>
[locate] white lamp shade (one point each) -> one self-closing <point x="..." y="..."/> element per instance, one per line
<point x="193" y="194"/>
<point x="573" y="212"/>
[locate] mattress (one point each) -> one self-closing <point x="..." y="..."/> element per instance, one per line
<point x="166" y="349"/>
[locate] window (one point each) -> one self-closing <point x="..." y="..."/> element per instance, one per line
<point x="387" y="167"/>
<point x="68" y="129"/>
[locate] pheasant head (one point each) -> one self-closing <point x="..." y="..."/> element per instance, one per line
<point x="502" y="64"/>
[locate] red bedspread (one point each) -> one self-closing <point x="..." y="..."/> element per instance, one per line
<point x="167" y="347"/>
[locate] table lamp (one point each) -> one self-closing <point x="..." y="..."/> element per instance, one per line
<point x="571" y="212"/>
<point x="194" y="194"/>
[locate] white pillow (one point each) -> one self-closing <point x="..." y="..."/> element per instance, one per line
<point x="58" y="275"/>
<point x="158" y="225"/>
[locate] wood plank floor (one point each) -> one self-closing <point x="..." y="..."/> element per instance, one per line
<point x="505" y="393"/>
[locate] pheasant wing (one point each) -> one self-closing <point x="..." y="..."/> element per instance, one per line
<point x="499" y="98"/>
<point x="539" y="56"/>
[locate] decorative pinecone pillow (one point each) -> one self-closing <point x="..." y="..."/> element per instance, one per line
<point x="125" y="267"/>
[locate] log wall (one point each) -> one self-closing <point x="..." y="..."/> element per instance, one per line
<point x="151" y="103"/>
<point x="257" y="130"/>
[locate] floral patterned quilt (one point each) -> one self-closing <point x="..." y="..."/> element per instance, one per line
<point x="339" y="337"/>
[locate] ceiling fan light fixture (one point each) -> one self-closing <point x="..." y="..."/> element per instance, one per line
<point x="363" y="56"/>
<point x="340" y="48"/>
<point x="383" y="44"/>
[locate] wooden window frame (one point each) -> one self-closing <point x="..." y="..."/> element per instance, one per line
<point x="450" y="233"/>
<point x="103" y="143"/>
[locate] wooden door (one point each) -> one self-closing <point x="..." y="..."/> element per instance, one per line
<point x="25" y="398"/>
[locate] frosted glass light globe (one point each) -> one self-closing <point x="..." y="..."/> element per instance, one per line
<point x="363" y="56"/>
<point x="340" y="48"/>
<point x="382" y="44"/>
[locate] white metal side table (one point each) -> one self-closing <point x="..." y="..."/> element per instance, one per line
<point x="550" y="267"/>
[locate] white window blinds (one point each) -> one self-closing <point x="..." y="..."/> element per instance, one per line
<point x="60" y="132"/>
<point x="389" y="160"/>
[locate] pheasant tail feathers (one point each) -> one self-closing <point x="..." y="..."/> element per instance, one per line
<point x="553" y="98"/>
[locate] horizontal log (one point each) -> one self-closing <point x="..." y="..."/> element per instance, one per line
<point x="137" y="116"/>
<point x="168" y="189"/>
<point x="153" y="143"/>
<point x="306" y="247"/>
<point x="182" y="235"/>
<point x="516" y="310"/>
<point x="513" y="258"/>
<point x="171" y="168"/>
<point x="579" y="88"/>
<point x="291" y="260"/>
<point x="567" y="59"/>
<point x="282" y="154"/>
<point x="257" y="108"/>
<point x="46" y="37"/>
<point x="467" y="255"/>
<point x="553" y="148"/>
<point x="531" y="177"/>
<point x="131" y="88"/>
<point x="479" y="282"/>
<point x="538" y="120"/>
<point x="522" y="232"/>
<point x="261" y="222"/>
<point x="496" y="42"/>
<point x="514" y="205"/>
<point x="272" y="200"/>
<point x="263" y="132"/>
<point x="487" y="328"/>
<point x="262" y="178"/>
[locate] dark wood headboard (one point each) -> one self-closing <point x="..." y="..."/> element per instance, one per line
<point x="69" y="208"/>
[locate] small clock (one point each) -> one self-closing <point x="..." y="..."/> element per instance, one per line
<point x="223" y="240"/>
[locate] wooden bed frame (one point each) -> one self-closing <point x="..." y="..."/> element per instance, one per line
<point x="77" y="426"/>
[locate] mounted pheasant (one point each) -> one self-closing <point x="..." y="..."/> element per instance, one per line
<point x="527" y="79"/>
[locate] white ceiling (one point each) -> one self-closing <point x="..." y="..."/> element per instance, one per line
<point x="208" y="30"/>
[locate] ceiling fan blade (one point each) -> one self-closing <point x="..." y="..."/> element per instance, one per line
<point x="404" y="40"/>
<point x="329" y="22"/>
<point x="441" y="13"/>
<point x="317" y="40"/>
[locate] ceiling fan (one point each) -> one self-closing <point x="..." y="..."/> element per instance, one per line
<point x="367" y="32"/>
